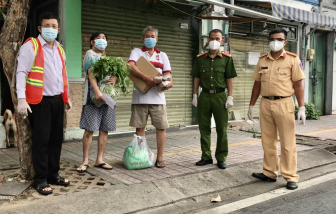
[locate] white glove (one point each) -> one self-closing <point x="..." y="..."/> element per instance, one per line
<point x="194" y="100"/>
<point x="167" y="78"/>
<point x="162" y="85"/>
<point x="302" y="115"/>
<point x="68" y="105"/>
<point x="157" y="79"/>
<point x="250" y="113"/>
<point x="229" y="102"/>
<point x="23" y="106"/>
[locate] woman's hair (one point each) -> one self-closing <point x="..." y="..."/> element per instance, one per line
<point x="95" y="35"/>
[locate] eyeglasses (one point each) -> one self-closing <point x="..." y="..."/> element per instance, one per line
<point x="277" y="39"/>
<point x="50" y="26"/>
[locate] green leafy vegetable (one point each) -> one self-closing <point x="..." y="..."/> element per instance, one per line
<point x="111" y="66"/>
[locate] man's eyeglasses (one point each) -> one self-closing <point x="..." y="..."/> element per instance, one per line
<point x="277" y="39"/>
<point x="50" y="26"/>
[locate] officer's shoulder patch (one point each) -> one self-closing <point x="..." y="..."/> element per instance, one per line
<point x="292" y="54"/>
<point x="262" y="56"/>
<point x="200" y="54"/>
<point x="226" y="54"/>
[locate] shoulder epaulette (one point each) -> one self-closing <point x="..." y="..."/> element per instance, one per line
<point x="226" y="54"/>
<point x="263" y="56"/>
<point x="200" y="54"/>
<point x="292" y="54"/>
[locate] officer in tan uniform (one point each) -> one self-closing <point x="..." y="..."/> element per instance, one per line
<point x="278" y="76"/>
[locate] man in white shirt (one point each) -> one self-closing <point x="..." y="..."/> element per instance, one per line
<point x="153" y="102"/>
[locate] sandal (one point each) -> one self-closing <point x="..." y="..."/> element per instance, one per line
<point x="82" y="168"/>
<point x="40" y="188"/>
<point x="159" y="162"/>
<point x="59" y="181"/>
<point x="104" y="164"/>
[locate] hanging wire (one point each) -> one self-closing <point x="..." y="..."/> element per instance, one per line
<point x="180" y="10"/>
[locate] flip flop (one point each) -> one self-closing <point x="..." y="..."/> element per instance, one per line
<point x="82" y="166"/>
<point x="159" y="162"/>
<point x="39" y="188"/>
<point x="102" y="166"/>
<point x="59" y="181"/>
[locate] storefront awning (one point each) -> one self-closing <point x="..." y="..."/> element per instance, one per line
<point x="305" y="16"/>
<point x="243" y="10"/>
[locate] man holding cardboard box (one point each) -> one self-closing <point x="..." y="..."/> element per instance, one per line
<point x="150" y="100"/>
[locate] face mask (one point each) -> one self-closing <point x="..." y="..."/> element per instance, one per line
<point x="150" y="42"/>
<point x="100" y="44"/>
<point x="276" y="46"/>
<point x="49" y="34"/>
<point x="214" y="45"/>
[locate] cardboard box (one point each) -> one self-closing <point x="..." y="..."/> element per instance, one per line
<point x="147" y="68"/>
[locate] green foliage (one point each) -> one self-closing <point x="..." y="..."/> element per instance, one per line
<point x="112" y="66"/>
<point x="311" y="112"/>
<point x="3" y="14"/>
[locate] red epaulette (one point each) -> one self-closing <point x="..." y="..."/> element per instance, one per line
<point x="200" y="54"/>
<point x="263" y="55"/>
<point x="226" y="54"/>
<point x="292" y="54"/>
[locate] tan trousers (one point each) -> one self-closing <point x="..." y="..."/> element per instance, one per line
<point x="277" y="116"/>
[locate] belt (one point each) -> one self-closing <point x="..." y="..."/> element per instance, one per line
<point x="55" y="96"/>
<point x="213" y="91"/>
<point x="275" y="98"/>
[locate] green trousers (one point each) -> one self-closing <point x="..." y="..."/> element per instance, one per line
<point x="209" y="104"/>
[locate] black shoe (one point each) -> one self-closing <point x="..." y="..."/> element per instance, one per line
<point x="221" y="164"/>
<point x="204" y="162"/>
<point x="292" y="185"/>
<point x="263" y="177"/>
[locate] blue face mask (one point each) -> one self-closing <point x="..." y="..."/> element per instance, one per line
<point x="100" y="44"/>
<point x="49" y="34"/>
<point x="150" y="42"/>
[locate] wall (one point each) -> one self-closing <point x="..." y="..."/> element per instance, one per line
<point x="71" y="38"/>
<point x="334" y="86"/>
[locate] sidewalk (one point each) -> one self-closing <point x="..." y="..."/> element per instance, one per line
<point x="182" y="151"/>
<point x="323" y="128"/>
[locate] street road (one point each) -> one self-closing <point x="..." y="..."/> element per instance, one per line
<point x="315" y="196"/>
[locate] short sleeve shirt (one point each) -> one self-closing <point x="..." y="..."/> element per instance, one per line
<point x="213" y="72"/>
<point x="277" y="75"/>
<point x="161" y="62"/>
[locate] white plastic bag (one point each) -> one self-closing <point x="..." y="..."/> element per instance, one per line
<point x="138" y="155"/>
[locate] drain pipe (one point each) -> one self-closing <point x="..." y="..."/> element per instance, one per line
<point x="226" y="29"/>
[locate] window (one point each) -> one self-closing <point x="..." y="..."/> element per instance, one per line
<point x="291" y="32"/>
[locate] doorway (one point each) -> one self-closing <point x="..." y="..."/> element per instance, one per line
<point x="317" y="71"/>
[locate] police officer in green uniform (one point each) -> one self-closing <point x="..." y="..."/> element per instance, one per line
<point x="214" y="72"/>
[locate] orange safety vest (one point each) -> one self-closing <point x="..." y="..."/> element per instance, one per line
<point x="34" y="82"/>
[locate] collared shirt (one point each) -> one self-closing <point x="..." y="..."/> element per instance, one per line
<point x="213" y="72"/>
<point x="161" y="62"/>
<point x="53" y="79"/>
<point x="277" y="75"/>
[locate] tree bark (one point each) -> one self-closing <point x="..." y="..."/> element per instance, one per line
<point x="11" y="38"/>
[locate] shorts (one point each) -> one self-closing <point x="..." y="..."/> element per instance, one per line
<point x="158" y="114"/>
<point x="98" y="118"/>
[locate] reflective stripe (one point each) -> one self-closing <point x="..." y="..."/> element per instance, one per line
<point x="62" y="51"/>
<point x="37" y="69"/>
<point x="34" y="82"/>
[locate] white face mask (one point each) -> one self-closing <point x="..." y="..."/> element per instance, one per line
<point x="276" y="46"/>
<point x="214" y="45"/>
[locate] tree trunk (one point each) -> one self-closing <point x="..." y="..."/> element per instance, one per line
<point x="11" y="38"/>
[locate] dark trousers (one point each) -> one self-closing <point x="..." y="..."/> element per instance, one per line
<point x="46" y="121"/>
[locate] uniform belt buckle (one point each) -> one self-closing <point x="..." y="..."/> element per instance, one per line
<point x="212" y="91"/>
<point x="271" y="98"/>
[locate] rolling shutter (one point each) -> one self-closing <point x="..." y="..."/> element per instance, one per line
<point x="123" y="23"/>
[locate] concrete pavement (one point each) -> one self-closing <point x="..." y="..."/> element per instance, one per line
<point x="130" y="190"/>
